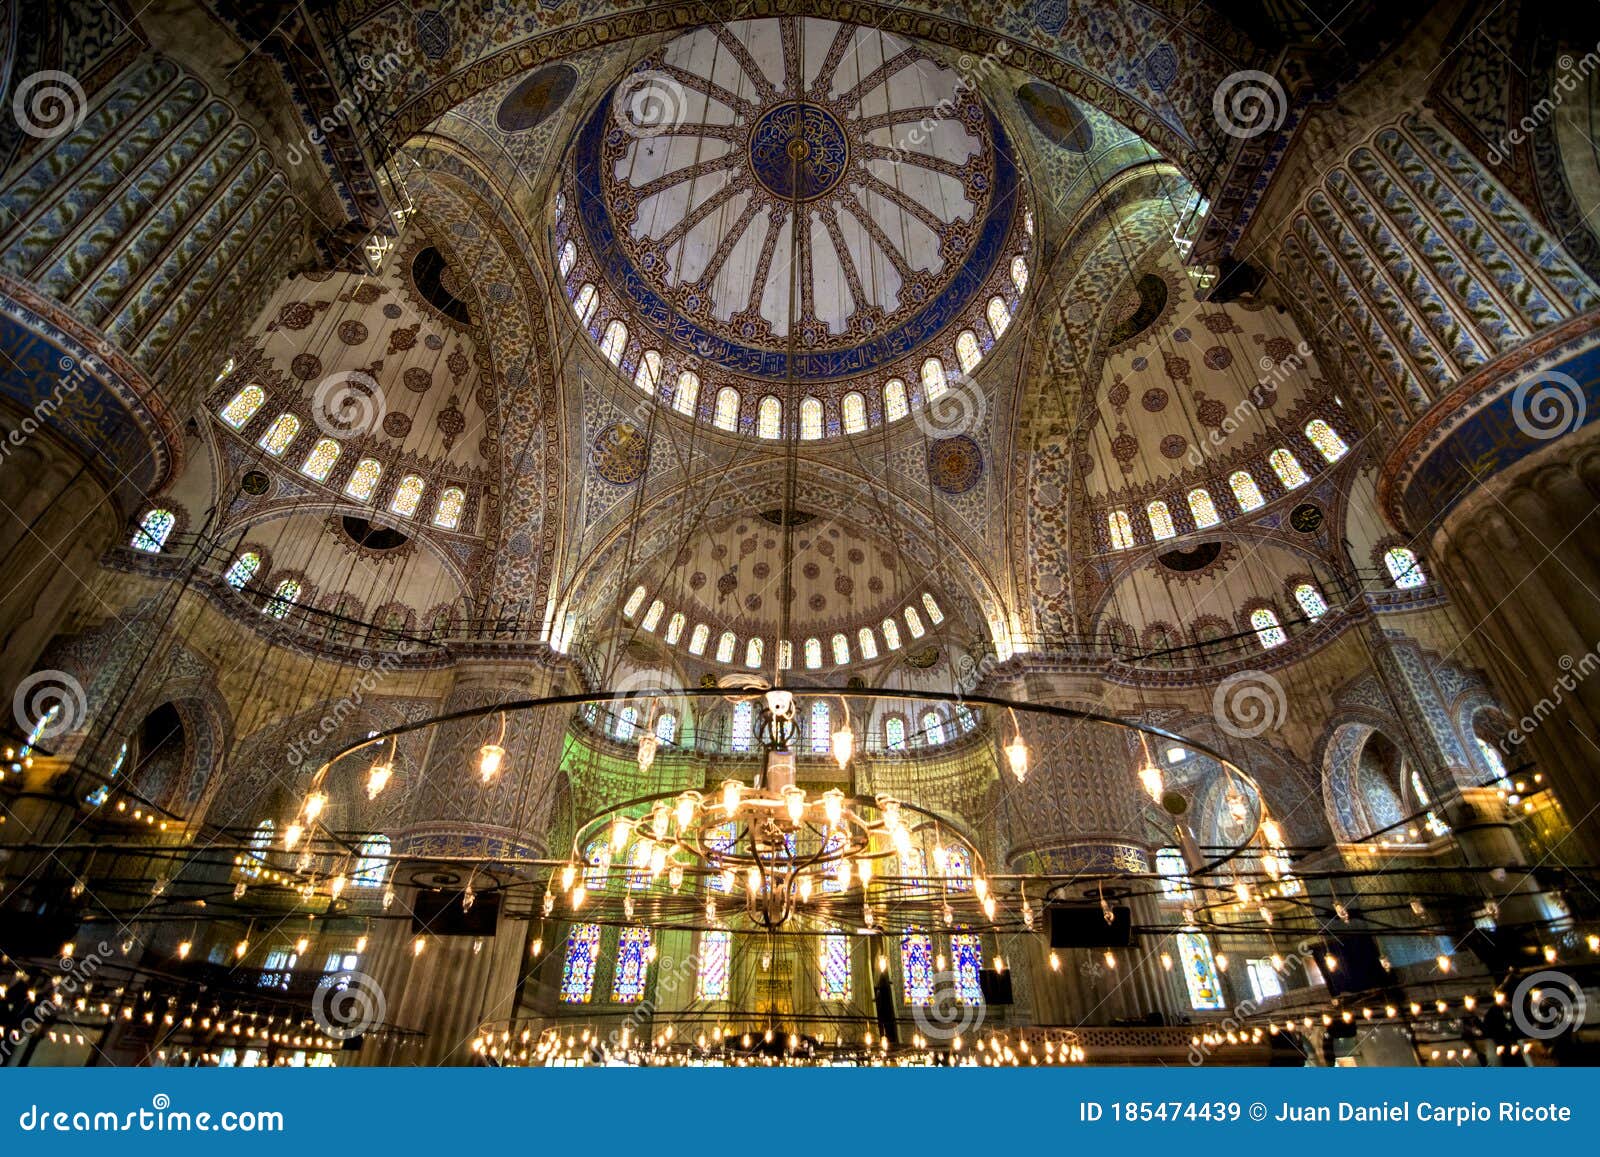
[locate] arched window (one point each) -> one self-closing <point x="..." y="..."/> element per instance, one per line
<point x="1160" y="519"/>
<point x="372" y="863"/>
<point x="967" y="351"/>
<point x="932" y="728"/>
<point x="1200" y="972"/>
<point x="813" y="654"/>
<point x="569" y="258"/>
<point x="1491" y="756"/>
<point x="652" y="617"/>
<point x="935" y="614"/>
<point x="967" y="718"/>
<point x="1121" y="527"/>
<point x="447" y="516"/>
<point x="716" y="952"/>
<point x="627" y="721"/>
<point x="835" y="965"/>
<point x="256" y="854"/>
<point x="867" y="642"/>
<point x="153" y="530"/>
<point x="243" y="406"/>
<point x="319" y="463"/>
<point x="635" y="601"/>
<point x="966" y="961"/>
<point x="698" y="639"/>
<point x="1404" y="568"/>
<point x="853" y="412"/>
<point x="667" y="727"/>
<point x="1245" y="490"/>
<point x="1287" y="467"/>
<point x="725" y="645"/>
<point x="999" y="316"/>
<point x="407" y="495"/>
<point x="675" y="627"/>
<point x="753" y="652"/>
<point x="841" y="649"/>
<point x="1172" y="870"/>
<point x="1019" y="274"/>
<point x="1326" y="440"/>
<point x="687" y="395"/>
<point x="614" y="342"/>
<point x="895" y="404"/>
<point x="243" y="569"/>
<point x="916" y="967"/>
<point x="821" y="731"/>
<point x="364" y="479"/>
<point x="648" y="375"/>
<point x="891" y="634"/>
<point x="1311" y="601"/>
<point x="278" y="436"/>
<point x="810" y="419"/>
<point x="1201" y="506"/>
<point x="933" y="383"/>
<point x="1265" y="624"/>
<point x="577" y="974"/>
<point x="633" y="966"/>
<point x="769" y="418"/>
<point x="585" y="304"/>
<point x="283" y="598"/>
<point x="727" y="412"/>
<point x="894" y="733"/>
<point x="914" y="623"/>
<point x="597" y="863"/>
<point x="743" y="734"/>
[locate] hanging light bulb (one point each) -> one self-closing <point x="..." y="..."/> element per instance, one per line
<point x="794" y="803"/>
<point x="1055" y="962"/>
<point x="842" y="874"/>
<point x="183" y="950"/>
<point x="378" y="778"/>
<point x="675" y="876"/>
<point x="361" y="944"/>
<point x="388" y="899"/>
<point x="730" y="795"/>
<point x="336" y="886"/>
<point x="621" y="829"/>
<point x="490" y="756"/>
<point x="833" y="805"/>
<point x="241" y="948"/>
<point x="805" y="889"/>
<point x="314" y="804"/>
<point x="864" y="870"/>
<point x="291" y="836"/>
<point x="1017" y="756"/>
<point x="844" y="745"/>
<point x="688" y="803"/>
<point x="1269" y="828"/>
<point x="1166" y="962"/>
<point x="569" y="873"/>
<point x="579" y="895"/>
<point x="301" y="945"/>
<point x="753" y="879"/>
<point x="658" y="861"/>
<point x="418" y="945"/>
<point x="1150" y="777"/>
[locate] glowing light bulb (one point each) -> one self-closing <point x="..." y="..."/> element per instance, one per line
<point x="1017" y="757"/>
<point x="805" y="889"/>
<point x="1222" y="962"/>
<point x="1055" y="962"/>
<point x="621" y="829"/>
<point x="1166" y="962"/>
<point x="1444" y="962"/>
<point x="648" y="743"/>
<point x="336" y="886"/>
<point x="579" y="895"/>
<point x="183" y="950"/>
<point x="753" y="879"/>
<point x="842" y="874"/>
<point x="1150" y="777"/>
<point x="314" y="804"/>
<point x="241" y="948"/>
<point x="378" y="778"/>
<point x="569" y="873"/>
<point x="418" y="945"/>
<point x="490" y="756"/>
<point x="687" y="803"/>
<point x="291" y="835"/>
<point x="730" y="795"/>
<point x="361" y="944"/>
<point x="301" y="945"/>
<point x="833" y="805"/>
<point x="864" y="870"/>
<point x="794" y="803"/>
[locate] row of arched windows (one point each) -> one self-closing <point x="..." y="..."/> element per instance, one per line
<point x="369" y="870"/>
<point x="1246" y="492"/>
<point x="935" y="727"/>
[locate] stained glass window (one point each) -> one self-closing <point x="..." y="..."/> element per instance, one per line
<point x="1491" y="756"/>
<point x="743" y="726"/>
<point x="1200" y="972"/>
<point x="895" y="404"/>
<point x="719" y="841"/>
<point x="319" y="463"/>
<point x="1121" y="527"/>
<point x="635" y="601"/>
<point x="1326" y="440"/>
<point x="725" y="644"/>
<point x="1265" y="625"/>
<point x="363" y="479"/>
<point x="813" y="654"/>
<point x="243" y="569"/>
<point x="372" y="862"/>
<point x="832" y="851"/>
<point x="667" y="727"/>
<point x="407" y="495"/>
<point x="577" y="977"/>
<point x="648" y="375"/>
<point x="835" y="967"/>
<point x="569" y="258"/>
<point x="957" y="869"/>
<point x="585" y="304"/>
<point x="933" y="383"/>
<point x="1404" y="568"/>
<point x="243" y="406"/>
<point x="687" y="395"/>
<point x="891" y="634"/>
<point x="627" y="720"/>
<point x="916" y="966"/>
<point x="1245" y="490"/>
<point x="811" y="419"/>
<point x="283" y="598"/>
<point x="966" y="960"/>
<point x="1287" y="467"/>
<point x="597" y="864"/>
<point x="153" y="530"/>
<point x="967" y="351"/>
<point x="633" y="963"/>
<point x="932" y="728"/>
<point x="853" y="412"/>
<point x="821" y="728"/>
<point x="278" y="436"/>
<point x="1160" y="519"/>
<point x="841" y="648"/>
<point x="1201" y="506"/>
<point x="914" y="623"/>
<point x="769" y="418"/>
<point x="753" y="652"/>
<point x="894" y="733"/>
<point x="447" y="515"/>
<point x="675" y="626"/>
<point x="1311" y="601"/>
<point x="867" y="642"/>
<point x="935" y="614"/>
<point x="914" y="866"/>
<point x="716" y="949"/>
<point x="727" y="413"/>
<point x="967" y="718"/>
<point x="1173" y="871"/>
<point x="1019" y="274"/>
<point x="652" y="617"/>
<point x="999" y="316"/>
<point x="698" y="639"/>
<point x="614" y="341"/>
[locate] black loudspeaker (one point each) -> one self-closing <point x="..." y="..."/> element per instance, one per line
<point x="883" y="1003"/>
<point x="1084" y="926"/>
<point x="1359" y="968"/>
<point x="439" y="912"/>
<point x="996" y="986"/>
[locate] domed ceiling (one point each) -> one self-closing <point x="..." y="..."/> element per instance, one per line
<point x="794" y="190"/>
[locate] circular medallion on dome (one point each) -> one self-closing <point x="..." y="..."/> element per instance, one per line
<point x="955" y="464"/>
<point x="798" y="151"/>
<point x="620" y="454"/>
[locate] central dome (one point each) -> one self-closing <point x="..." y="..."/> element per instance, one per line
<point x="798" y="151"/>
